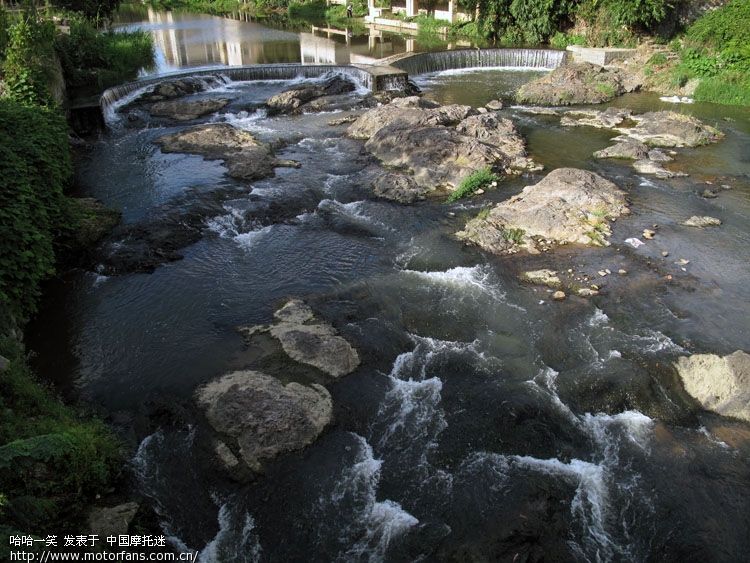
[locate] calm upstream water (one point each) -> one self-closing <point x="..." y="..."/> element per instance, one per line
<point x="486" y="423"/>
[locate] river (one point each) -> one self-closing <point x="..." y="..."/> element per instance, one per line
<point x="486" y="422"/>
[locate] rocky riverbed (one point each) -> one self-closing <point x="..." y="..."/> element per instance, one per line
<point x="326" y="357"/>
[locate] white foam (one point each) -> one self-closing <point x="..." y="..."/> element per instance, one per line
<point x="377" y="523"/>
<point x="677" y="99"/>
<point x="599" y="318"/>
<point x="475" y="278"/>
<point x="229" y="544"/>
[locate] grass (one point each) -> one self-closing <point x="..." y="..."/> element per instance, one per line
<point x="484" y="213"/>
<point x="513" y="235"/>
<point x="472" y="183"/>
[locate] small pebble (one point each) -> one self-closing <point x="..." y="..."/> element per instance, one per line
<point x="602" y="273"/>
<point x="664" y="253"/>
<point x="622" y="272"/>
<point x="558" y="295"/>
<point x="648" y="234"/>
<point x="682" y="262"/>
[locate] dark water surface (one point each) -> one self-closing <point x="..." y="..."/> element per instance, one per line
<point x="486" y="422"/>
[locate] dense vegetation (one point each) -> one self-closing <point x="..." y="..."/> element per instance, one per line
<point x="716" y="49"/>
<point x="98" y="60"/>
<point x="53" y="461"/>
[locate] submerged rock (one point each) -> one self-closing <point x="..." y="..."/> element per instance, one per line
<point x="187" y="110"/>
<point x="542" y="277"/>
<point x="264" y="417"/>
<point x="607" y="119"/>
<point x="624" y="149"/>
<point x="719" y="384"/>
<point x="702" y="222"/>
<point x="308" y="340"/>
<point x="398" y="187"/>
<point x="648" y="166"/>
<point x="170" y="89"/>
<point x="298" y="97"/>
<point x="671" y="129"/>
<point x="245" y="157"/>
<point x="578" y="83"/>
<point x="567" y="206"/>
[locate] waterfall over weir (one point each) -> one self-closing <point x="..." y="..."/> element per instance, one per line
<point x="374" y="78"/>
<point x="422" y="63"/>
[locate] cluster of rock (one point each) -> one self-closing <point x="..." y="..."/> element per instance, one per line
<point x="312" y="96"/>
<point x="642" y="136"/>
<point x="567" y="206"/>
<point x="308" y="340"/>
<point x="578" y="83"/>
<point x="436" y="147"/>
<point x="255" y="416"/>
<point x="245" y="157"/>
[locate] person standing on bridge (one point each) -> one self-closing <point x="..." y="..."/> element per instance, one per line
<point x="349" y="10"/>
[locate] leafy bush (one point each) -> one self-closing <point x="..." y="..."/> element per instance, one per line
<point x="94" y="59"/>
<point x="561" y="40"/>
<point x="29" y="61"/>
<point x="51" y="460"/>
<point x="313" y="10"/>
<point x="34" y="168"/>
<point x="539" y="19"/>
<point x="472" y="183"/>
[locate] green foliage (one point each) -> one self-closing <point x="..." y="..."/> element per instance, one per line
<point x="716" y="49"/>
<point x="312" y="10"/>
<point x="34" y="169"/>
<point x="51" y="460"/>
<point x="729" y="88"/>
<point x="212" y="6"/>
<point x="484" y="213"/>
<point x="513" y="235"/>
<point x="4" y="37"/>
<point x="561" y="40"/>
<point x="473" y="182"/>
<point x="539" y="19"/>
<point x="92" y="9"/>
<point x="94" y="59"/>
<point x="29" y="61"/>
<point x="727" y="27"/>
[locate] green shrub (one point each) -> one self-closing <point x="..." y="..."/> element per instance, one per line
<point x="472" y="183"/>
<point x="313" y="10"/>
<point x="51" y="460"/>
<point x="29" y="61"/>
<point x="98" y="60"/>
<point x="34" y="169"/>
<point x="561" y="40"/>
<point x="729" y="88"/>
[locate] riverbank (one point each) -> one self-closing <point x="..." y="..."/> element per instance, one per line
<point x="55" y="459"/>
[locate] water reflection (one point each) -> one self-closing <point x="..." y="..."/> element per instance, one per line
<point x="189" y="40"/>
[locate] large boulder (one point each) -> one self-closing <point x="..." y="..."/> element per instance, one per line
<point x="578" y="83"/>
<point x="671" y="129"/>
<point x="633" y="150"/>
<point x="499" y="132"/>
<point x="295" y="98"/>
<point x="187" y="110"/>
<point x="308" y="340"/>
<point x="112" y="521"/>
<point x="719" y="384"/>
<point x="262" y="416"/>
<point x="567" y="206"/>
<point x="607" y="119"/>
<point x="413" y="110"/>
<point x="436" y="157"/>
<point x="245" y="156"/>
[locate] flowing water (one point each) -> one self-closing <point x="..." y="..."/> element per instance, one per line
<point x="486" y="422"/>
